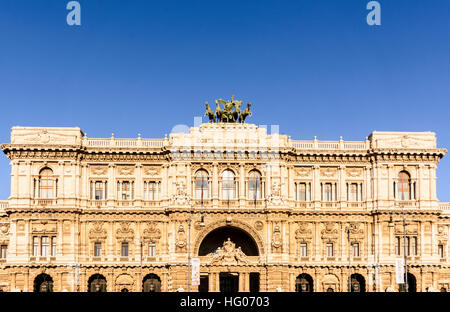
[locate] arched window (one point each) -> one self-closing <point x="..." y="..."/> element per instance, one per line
<point x="304" y="283"/>
<point x="358" y="283"/>
<point x="404" y="186"/>
<point x="43" y="283"/>
<point x="151" y="283"/>
<point x="228" y="185"/>
<point x="47" y="184"/>
<point x="201" y="184"/>
<point x="97" y="283"/>
<point x="254" y="185"/>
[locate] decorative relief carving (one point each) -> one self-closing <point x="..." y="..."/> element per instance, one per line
<point x="151" y="171"/>
<point x="304" y="172"/>
<point x="181" y="197"/>
<point x="330" y="231"/>
<point x="277" y="240"/>
<point x="99" y="170"/>
<point x="125" y="170"/>
<point x="275" y="197"/>
<point x="125" y="233"/>
<point x="328" y="172"/>
<point x="411" y="229"/>
<point x="151" y="233"/>
<point x="356" y="231"/>
<point x="97" y="232"/>
<point x="4" y="229"/>
<point x="259" y="225"/>
<point x="354" y="172"/>
<point x="43" y="227"/>
<point x="303" y="232"/>
<point x="228" y="254"/>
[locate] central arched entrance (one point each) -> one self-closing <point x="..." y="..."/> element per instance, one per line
<point x="216" y="238"/>
<point x="229" y="251"/>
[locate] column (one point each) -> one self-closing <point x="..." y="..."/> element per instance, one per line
<point x="111" y="182"/>
<point x="316" y="184"/>
<point x="139" y="187"/>
<point x="341" y="188"/>
<point x="242" y="193"/>
<point x="215" y="182"/>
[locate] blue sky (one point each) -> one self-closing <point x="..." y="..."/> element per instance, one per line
<point x="313" y="67"/>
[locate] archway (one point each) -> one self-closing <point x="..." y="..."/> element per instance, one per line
<point x="412" y="285"/>
<point x="304" y="283"/>
<point x="358" y="283"/>
<point x="151" y="283"/>
<point x="239" y="237"/>
<point x="43" y="283"/>
<point x="97" y="283"/>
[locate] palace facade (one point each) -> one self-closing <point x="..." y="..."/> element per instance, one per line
<point x="262" y="212"/>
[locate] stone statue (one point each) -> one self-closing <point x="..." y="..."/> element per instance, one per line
<point x="245" y="113"/>
<point x="210" y="113"/>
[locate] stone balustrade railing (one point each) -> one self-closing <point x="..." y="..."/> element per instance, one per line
<point x="113" y="142"/>
<point x="152" y="143"/>
<point x="3" y="204"/>
<point x="445" y="206"/>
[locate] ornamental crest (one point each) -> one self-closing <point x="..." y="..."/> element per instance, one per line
<point x="276" y="238"/>
<point x="303" y="231"/>
<point x="125" y="233"/>
<point x="329" y="232"/>
<point x="97" y="233"/>
<point x="181" y="238"/>
<point x="356" y="232"/>
<point x="228" y="254"/>
<point x="151" y="233"/>
<point x="4" y="229"/>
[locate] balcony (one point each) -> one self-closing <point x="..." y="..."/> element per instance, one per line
<point x="98" y="203"/>
<point x="44" y="202"/>
<point x="230" y="203"/>
<point x="3" y="204"/>
<point x="406" y="204"/>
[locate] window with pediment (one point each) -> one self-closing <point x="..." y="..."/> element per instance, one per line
<point x="228" y="185"/>
<point x="255" y="191"/>
<point x="46" y="185"/>
<point x="201" y="184"/>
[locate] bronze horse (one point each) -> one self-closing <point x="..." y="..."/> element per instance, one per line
<point x="210" y="114"/>
<point x="245" y="113"/>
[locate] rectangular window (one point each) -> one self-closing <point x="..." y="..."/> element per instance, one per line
<point x="53" y="246"/>
<point x="97" y="249"/>
<point x="329" y="249"/>
<point x="151" y="190"/>
<point x="441" y="251"/>
<point x="3" y="251"/>
<point x="124" y="249"/>
<point x="355" y="249"/>
<point x="302" y="191"/>
<point x="414" y="246"/>
<point x="44" y="246"/>
<point x="408" y="246"/>
<point x="303" y="250"/>
<point x="151" y="249"/>
<point x="328" y="192"/>
<point x="35" y="246"/>
<point x="353" y="192"/>
<point x="126" y="190"/>
<point x="99" y="190"/>
<point x="398" y="245"/>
